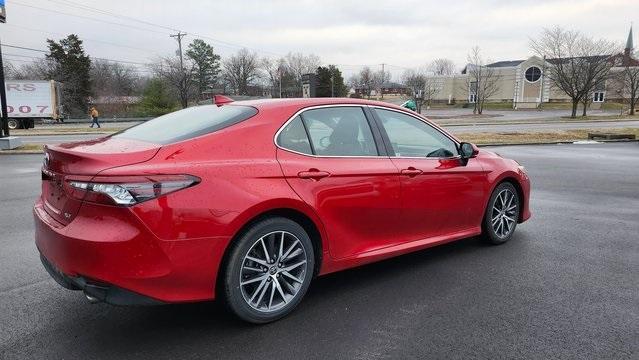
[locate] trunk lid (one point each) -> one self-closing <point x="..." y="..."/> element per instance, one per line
<point x="84" y="160"/>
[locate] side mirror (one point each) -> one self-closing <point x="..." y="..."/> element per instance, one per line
<point x="467" y="150"/>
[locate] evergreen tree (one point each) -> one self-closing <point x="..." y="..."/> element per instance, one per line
<point x="207" y="64"/>
<point x="327" y="87"/>
<point x="157" y="99"/>
<point x="71" y="66"/>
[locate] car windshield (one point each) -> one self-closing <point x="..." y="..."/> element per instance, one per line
<point x="188" y="123"/>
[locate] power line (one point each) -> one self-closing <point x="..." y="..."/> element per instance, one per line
<point x="104" y="12"/>
<point x="97" y="58"/>
<point x="110" y="13"/>
<point x="35" y="58"/>
<point x="88" y="18"/>
<point x="84" y="39"/>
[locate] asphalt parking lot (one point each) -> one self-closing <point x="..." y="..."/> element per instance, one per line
<point x="566" y="286"/>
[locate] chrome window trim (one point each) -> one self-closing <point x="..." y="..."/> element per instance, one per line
<point x="427" y="122"/>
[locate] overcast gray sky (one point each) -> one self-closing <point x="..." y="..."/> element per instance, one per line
<point x="404" y="34"/>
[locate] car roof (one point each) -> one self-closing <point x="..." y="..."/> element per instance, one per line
<point x="300" y="103"/>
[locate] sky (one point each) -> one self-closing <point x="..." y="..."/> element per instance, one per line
<point x="351" y="34"/>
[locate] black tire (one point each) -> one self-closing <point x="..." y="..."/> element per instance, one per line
<point x="270" y="230"/>
<point x="497" y="234"/>
<point x="13" y="124"/>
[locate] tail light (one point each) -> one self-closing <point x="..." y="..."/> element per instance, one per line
<point x="128" y="190"/>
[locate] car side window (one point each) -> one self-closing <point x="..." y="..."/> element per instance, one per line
<point x="339" y="131"/>
<point x="412" y="137"/>
<point x="293" y="137"/>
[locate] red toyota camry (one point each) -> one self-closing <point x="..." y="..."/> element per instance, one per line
<point x="248" y="201"/>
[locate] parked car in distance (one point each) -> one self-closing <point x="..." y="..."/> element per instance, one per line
<point x="248" y="201"/>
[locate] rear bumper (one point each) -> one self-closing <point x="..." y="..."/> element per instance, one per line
<point x="111" y="255"/>
<point x="99" y="291"/>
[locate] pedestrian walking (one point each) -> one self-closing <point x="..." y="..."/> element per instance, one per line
<point x="93" y="112"/>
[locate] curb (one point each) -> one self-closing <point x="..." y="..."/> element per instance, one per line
<point x="20" y="152"/>
<point x="558" y="142"/>
<point x="537" y="122"/>
<point x="67" y="134"/>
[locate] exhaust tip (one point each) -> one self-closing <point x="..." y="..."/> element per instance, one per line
<point x="92" y="299"/>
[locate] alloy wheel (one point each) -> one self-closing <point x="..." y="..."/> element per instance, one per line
<point x="273" y="271"/>
<point x="504" y="213"/>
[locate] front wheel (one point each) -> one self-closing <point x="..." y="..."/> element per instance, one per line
<point x="269" y="270"/>
<point x="501" y="214"/>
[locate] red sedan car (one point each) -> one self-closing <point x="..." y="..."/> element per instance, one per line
<point x="248" y="201"/>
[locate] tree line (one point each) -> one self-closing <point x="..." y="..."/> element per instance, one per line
<point x="168" y="83"/>
<point x="575" y="64"/>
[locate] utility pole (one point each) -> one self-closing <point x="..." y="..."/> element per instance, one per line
<point x="179" y="37"/>
<point x="4" y="132"/>
<point x="332" y="85"/>
<point x="279" y="70"/>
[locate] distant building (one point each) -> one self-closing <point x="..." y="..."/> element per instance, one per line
<point x="523" y="84"/>
<point x="387" y="88"/>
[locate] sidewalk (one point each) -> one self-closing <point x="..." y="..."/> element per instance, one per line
<point x="498" y="116"/>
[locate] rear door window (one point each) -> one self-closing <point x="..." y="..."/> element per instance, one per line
<point x="339" y="131"/>
<point x="188" y="123"/>
<point x="293" y="137"/>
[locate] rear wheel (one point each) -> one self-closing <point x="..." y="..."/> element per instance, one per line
<point x="13" y="124"/>
<point x="501" y="214"/>
<point x="269" y="270"/>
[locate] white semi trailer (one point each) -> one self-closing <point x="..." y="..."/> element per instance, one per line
<point x="30" y="100"/>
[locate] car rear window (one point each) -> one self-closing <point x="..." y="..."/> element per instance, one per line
<point x="188" y="123"/>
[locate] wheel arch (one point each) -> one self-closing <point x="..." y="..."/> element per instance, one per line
<point x="309" y="222"/>
<point x="512" y="179"/>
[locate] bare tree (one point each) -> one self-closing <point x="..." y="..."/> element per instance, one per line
<point x="442" y="67"/>
<point x="423" y="87"/>
<point x="415" y="80"/>
<point x="577" y="64"/>
<point x="240" y="70"/>
<point x="630" y="80"/>
<point x="40" y="69"/>
<point x="431" y="87"/>
<point x="179" y="78"/>
<point x="276" y="74"/>
<point x="482" y="80"/>
<point x="10" y="70"/>
<point x="380" y="78"/>
<point x="366" y="81"/>
<point x="298" y="64"/>
<point x="114" y="79"/>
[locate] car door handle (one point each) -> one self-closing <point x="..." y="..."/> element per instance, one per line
<point x="411" y="171"/>
<point x="313" y="174"/>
